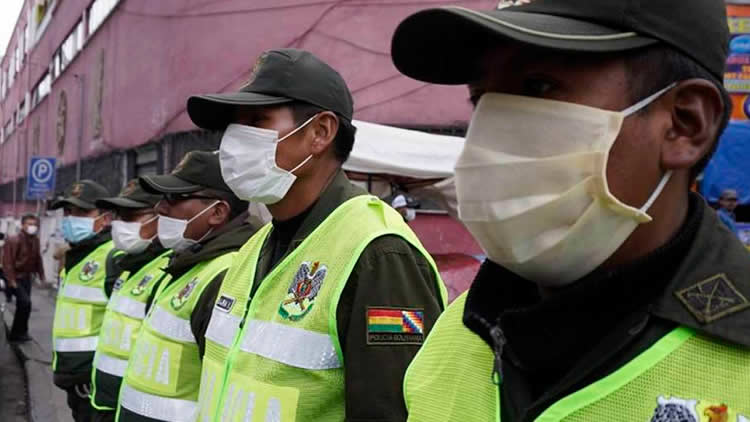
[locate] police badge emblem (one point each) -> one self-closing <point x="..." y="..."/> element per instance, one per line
<point x="88" y="271"/>
<point x="301" y="295"/>
<point x="181" y="298"/>
<point x="118" y="283"/>
<point x="141" y="287"/>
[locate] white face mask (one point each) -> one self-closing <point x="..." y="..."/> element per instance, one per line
<point x="410" y="215"/>
<point x="547" y="213"/>
<point x="171" y="231"/>
<point x="127" y="236"/>
<point x="248" y="163"/>
<point x="32" y="230"/>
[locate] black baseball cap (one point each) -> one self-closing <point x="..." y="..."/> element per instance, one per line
<point x="81" y="194"/>
<point x="278" y="77"/>
<point x="443" y="45"/>
<point x="198" y="170"/>
<point x="132" y="196"/>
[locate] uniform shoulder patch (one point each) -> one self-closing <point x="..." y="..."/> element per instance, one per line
<point x="713" y="299"/>
<point x="394" y="326"/>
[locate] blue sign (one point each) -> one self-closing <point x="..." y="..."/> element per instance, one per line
<point x="41" y="177"/>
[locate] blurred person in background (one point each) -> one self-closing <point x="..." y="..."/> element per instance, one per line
<point x="727" y="205"/>
<point x="21" y="261"/>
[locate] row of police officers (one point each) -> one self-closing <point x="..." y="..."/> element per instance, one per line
<point x="610" y="292"/>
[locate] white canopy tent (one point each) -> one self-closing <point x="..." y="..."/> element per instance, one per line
<point x="381" y="149"/>
<point x="389" y="151"/>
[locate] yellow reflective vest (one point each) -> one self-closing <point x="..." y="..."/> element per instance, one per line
<point x="79" y="312"/>
<point x="122" y="321"/>
<point x="684" y="376"/>
<point x="278" y="356"/>
<point x="163" y="375"/>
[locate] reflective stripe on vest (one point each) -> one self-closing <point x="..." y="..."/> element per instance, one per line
<point x="290" y="345"/>
<point x="171" y="326"/>
<point x="85" y="294"/>
<point x="223" y="327"/>
<point x="77" y="344"/>
<point x="157" y="407"/>
<point x="110" y="365"/>
<point x="128" y="306"/>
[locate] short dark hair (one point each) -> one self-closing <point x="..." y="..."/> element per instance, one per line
<point x="29" y="216"/>
<point x="343" y="142"/>
<point x="653" y="68"/>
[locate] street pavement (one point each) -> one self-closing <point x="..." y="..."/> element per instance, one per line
<point x="12" y="383"/>
<point x="47" y="402"/>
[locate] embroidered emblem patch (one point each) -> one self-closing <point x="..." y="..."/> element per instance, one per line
<point x="88" y="271"/>
<point x="141" y="287"/>
<point x="181" y="298"/>
<point x="713" y="299"/>
<point x="301" y="295"/>
<point x="225" y="303"/>
<point x="690" y="410"/>
<point x="395" y="326"/>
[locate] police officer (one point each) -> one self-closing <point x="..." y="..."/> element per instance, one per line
<point x="342" y="291"/>
<point x="82" y="297"/>
<point x="204" y="223"/>
<point x="141" y="271"/>
<point x="610" y="291"/>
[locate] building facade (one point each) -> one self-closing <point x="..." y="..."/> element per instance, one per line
<point x="101" y="84"/>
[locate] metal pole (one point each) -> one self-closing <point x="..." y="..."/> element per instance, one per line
<point x="80" y="127"/>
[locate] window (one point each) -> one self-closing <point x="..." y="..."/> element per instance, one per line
<point x="21" y="112"/>
<point x="68" y="51"/>
<point x="27" y="37"/>
<point x="80" y="35"/>
<point x="19" y="58"/>
<point x="11" y="71"/>
<point x="41" y="90"/>
<point x="98" y="12"/>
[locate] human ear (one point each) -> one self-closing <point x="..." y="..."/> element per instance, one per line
<point x="696" y="109"/>
<point x="324" y="128"/>
<point x="219" y="214"/>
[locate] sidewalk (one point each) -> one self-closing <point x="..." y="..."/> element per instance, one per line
<point x="12" y="383"/>
<point x="47" y="402"/>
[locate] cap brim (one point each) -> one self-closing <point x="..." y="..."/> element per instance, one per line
<point x="118" y="202"/>
<point x="76" y="202"/>
<point x="445" y="45"/>
<point x="215" y="111"/>
<point x="167" y="183"/>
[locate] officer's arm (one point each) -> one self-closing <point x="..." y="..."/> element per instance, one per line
<point x="389" y="276"/>
<point x="113" y="270"/>
<point x="201" y="315"/>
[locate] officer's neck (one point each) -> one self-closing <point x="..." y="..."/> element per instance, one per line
<point x="304" y="192"/>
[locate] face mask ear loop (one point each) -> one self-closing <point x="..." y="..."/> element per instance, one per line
<point x="149" y="222"/>
<point x="201" y="213"/>
<point x="298" y="128"/>
<point x="640" y="105"/>
<point x="657" y="192"/>
<point x="301" y="164"/>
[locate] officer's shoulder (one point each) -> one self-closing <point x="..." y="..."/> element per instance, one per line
<point x="390" y="247"/>
<point x="710" y="291"/>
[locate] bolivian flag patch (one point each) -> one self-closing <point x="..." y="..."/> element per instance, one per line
<point x="395" y="326"/>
